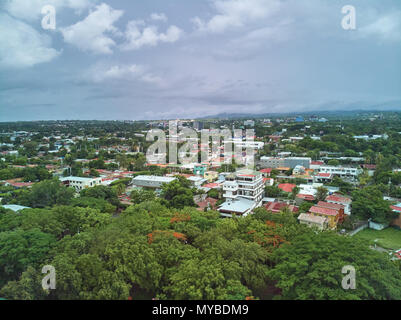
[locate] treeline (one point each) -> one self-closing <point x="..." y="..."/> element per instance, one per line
<point x="151" y="251"/>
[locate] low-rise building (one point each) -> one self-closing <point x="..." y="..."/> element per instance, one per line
<point x="81" y="183"/>
<point x="151" y="182"/>
<point x="290" y="162"/>
<point x="342" y="172"/>
<point x="333" y="214"/>
<point x="277" y="207"/>
<point x="339" y="199"/>
<point x="211" y="176"/>
<point x="239" y="207"/>
<point x="313" y="221"/>
<point x="197" y="181"/>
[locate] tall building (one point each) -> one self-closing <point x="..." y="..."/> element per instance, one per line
<point x="243" y="192"/>
<point x="198" y="125"/>
<point x="244" y="184"/>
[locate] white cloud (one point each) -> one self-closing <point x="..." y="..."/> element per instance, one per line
<point x="158" y="17"/>
<point x="387" y="28"/>
<point x="102" y="73"/>
<point x="21" y="45"/>
<point x="31" y="10"/>
<point x="148" y="36"/>
<point x="93" y="33"/>
<point x="236" y="13"/>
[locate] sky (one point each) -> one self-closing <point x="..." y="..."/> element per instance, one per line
<point x="168" y="59"/>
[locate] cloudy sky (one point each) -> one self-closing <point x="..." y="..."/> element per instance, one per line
<point x="162" y="59"/>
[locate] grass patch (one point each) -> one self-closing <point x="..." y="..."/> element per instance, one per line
<point x="388" y="238"/>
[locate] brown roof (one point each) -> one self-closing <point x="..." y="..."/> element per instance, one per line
<point x="338" y="198"/>
<point x="329" y="205"/>
<point x="323" y="211"/>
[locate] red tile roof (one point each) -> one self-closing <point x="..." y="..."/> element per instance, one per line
<point x="329" y="205"/>
<point x="276" y="207"/>
<point x="338" y="198"/>
<point x="316" y="163"/>
<point x="204" y="204"/>
<point x="287" y="187"/>
<point x="369" y="166"/>
<point x="212" y="185"/>
<point x="267" y="170"/>
<point x="323" y="211"/>
<point x="395" y="208"/>
<point x="307" y="197"/>
<point x="21" y="184"/>
<point x="324" y="175"/>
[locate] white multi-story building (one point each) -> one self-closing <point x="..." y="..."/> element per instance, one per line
<point x="80" y="183"/>
<point x="243" y="192"/>
<point x="342" y="172"/>
<point x="246" y="184"/>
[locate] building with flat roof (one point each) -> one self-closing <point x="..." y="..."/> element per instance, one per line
<point x="290" y="162"/>
<point x="236" y="207"/>
<point x="342" y="172"/>
<point x="152" y="182"/>
<point x="81" y="183"/>
<point x="240" y="186"/>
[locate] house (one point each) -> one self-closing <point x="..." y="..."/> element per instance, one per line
<point x="339" y="199"/>
<point x="340" y="208"/>
<point x="211" y="176"/>
<point x="197" y="181"/>
<point x="277" y="207"/>
<point x="315" y="165"/>
<point x="80" y="183"/>
<point x="397" y="222"/>
<point x="208" y="203"/>
<point x="313" y="221"/>
<point x="323" y="177"/>
<point x="266" y="172"/>
<point x="334" y="216"/>
<point x="18" y="184"/>
<point x="301" y="197"/>
<point x="299" y="170"/>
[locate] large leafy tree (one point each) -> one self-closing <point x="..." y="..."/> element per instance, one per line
<point x="178" y="194"/>
<point x="368" y="203"/>
<point x="311" y="268"/>
<point x="20" y="249"/>
<point x="49" y="193"/>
